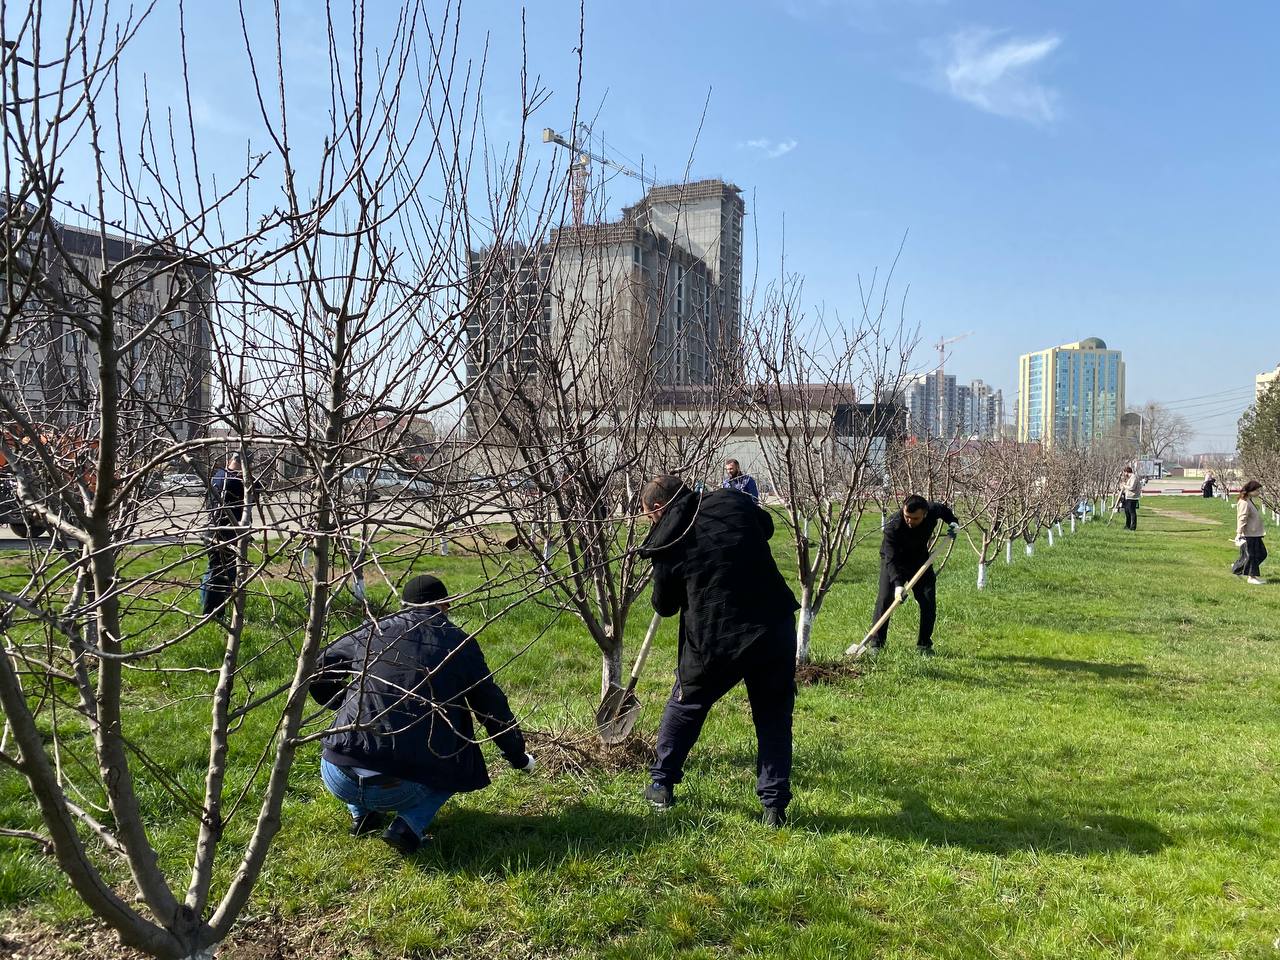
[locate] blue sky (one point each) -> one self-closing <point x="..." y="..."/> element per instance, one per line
<point x="1061" y="170"/>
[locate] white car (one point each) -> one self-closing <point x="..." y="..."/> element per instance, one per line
<point x="182" y="484"/>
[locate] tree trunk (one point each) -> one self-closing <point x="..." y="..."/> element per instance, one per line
<point x="1051" y="536"/>
<point x="1008" y="551"/>
<point x="982" y="574"/>
<point x="804" y="625"/>
<point x="610" y="668"/>
<point x="1073" y="523"/>
<point x="1030" y="549"/>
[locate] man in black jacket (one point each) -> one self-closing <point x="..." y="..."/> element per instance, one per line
<point x="712" y="565"/>
<point x="405" y="689"/>
<point x="903" y="551"/>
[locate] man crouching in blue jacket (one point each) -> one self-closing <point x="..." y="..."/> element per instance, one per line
<point x="403" y="740"/>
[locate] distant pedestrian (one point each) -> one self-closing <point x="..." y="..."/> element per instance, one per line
<point x="712" y="566"/>
<point x="735" y="479"/>
<point x="1249" y="535"/>
<point x="225" y="504"/>
<point x="903" y="552"/>
<point x="405" y="689"/>
<point x="1206" y="488"/>
<point x="1131" y="485"/>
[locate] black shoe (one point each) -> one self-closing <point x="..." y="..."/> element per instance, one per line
<point x="367" y="823"/>
<point x="774" y="817"/>
<point x="401" y="836"/>
<point x="660" y="796"/>
<point x="925" y="651"/>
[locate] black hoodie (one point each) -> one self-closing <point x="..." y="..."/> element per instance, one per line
<point x="712" y="565"/>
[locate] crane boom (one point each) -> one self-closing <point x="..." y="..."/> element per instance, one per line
<point x="579" y="169"/>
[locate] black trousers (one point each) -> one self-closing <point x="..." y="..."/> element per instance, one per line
<point x="926" y="593"/>
<point x="769" y="671"/>
<point x="220" y="576"/>
<point x="1252" y="553"/>
<point x="1130" y="514"/>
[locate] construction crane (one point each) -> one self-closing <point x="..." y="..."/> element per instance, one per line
<point x="940" y="390"/>
<point x="580" y="166"/>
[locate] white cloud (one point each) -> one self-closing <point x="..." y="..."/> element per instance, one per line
<point x="771" y="148"/>
<point x="994" y="73"/>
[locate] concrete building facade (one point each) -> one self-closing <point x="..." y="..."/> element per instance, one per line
<point x="1263" y="381"/>
<point x="1072" y="394"/>
<point x="663" y="284"/>
<point x="49" y="364"/>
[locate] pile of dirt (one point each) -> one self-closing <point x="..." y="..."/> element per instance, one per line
<point x="253" y="938"/>
<point x="579" y="752"/>
<point x="827" y="672"/>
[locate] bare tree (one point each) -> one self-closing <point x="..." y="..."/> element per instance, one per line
<point x="1162" y="431"/>
<point x="306" y="313"/>
<point x="823" y="400"/>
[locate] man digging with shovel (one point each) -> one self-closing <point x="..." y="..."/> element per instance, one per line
<point x="712" y="566"/>
<point x="902" y="553"/>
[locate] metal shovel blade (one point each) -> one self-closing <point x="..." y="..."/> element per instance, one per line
<point x="616" y="717"/>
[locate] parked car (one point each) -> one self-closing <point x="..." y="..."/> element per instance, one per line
<point x="182" y="485"/>
<point x="379" y="483"/>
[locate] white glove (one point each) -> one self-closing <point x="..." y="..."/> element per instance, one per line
<point x="900" y="594"/>
<point x="530" y="763"/>
<point x="1239" y="541"/>
<point x="951" y="530"/>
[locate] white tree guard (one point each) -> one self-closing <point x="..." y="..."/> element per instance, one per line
<point x="982" y="574"/>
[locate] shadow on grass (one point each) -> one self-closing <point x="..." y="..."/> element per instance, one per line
<point x="1106" y="671"/>
<point x="917" y="821"/>
<point x="479" y="842"/>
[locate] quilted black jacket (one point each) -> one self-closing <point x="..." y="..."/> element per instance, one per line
<point x="405" y="689"/>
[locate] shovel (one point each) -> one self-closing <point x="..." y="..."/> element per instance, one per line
<point x="619" y="709"/>
<point x="855" y="650"/>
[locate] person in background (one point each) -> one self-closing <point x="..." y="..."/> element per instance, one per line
<point x="405" y="689"/>
<point x="1131" y="485"/>
<point x="1249" y="535"/>
<point x="712" y="566"/>
<point x="226" y="514"/>
<point x="903" y="551"/>
<point x="735" y="479"/>
<point x="1206" y="488"/>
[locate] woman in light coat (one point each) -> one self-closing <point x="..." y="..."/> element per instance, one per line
<point x="1249" y="534"/>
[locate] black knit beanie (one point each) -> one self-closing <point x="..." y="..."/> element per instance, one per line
<point x="424" y="588"/>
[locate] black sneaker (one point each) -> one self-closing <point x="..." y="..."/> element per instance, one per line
<point x="774" y="817"/>
<point x="925" y="651"/>
<point x="660" y="797"/>
<point x="401" y="836"/>
<point x="367" y="823"/>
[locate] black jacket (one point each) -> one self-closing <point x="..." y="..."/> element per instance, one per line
<point x="226" y="497"/>
<point x="712" y="565"/>
<point x="905" y="549"/>
<point x="410" y="683"/>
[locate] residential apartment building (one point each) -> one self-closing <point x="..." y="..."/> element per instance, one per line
<point x="663" y="284"/>
<point x="938" y="406"/>
<point x="49" y="363"/>
<point x="1072" y="394"/>
<point x="1263" y="381"/>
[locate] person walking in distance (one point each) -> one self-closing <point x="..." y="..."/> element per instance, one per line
<point x="405" y="689"/>
<point x="1249" y="535"/>
<point x="903" y="551"/>
<point x="1131" y="485"/>
<point x="735" y="479"/>
<point x="1206" y="488"/>
<point x="713" y="567"/>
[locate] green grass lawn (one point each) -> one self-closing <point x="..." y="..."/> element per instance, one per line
<point x="1086" y="769"/>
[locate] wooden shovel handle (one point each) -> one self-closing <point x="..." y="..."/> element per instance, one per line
<point x="884" y="617"/>
<point x="643" y="655"/>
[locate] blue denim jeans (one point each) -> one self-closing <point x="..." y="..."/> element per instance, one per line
<point x="415" y="803"/>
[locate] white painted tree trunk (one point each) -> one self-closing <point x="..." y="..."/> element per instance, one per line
<point x="1030" y="549"/>
<point x="1073" y="523"/>
<point x="804" y="626"/>
<point x="610" y="668"/>
<point x="444" y="546"/>
<point x="1008" y="551"/>
<point x="1051" y="536"/>
<point x="882" y="520"/>
<point x="982" y="574"/>
<point x="1059" y="528"/>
